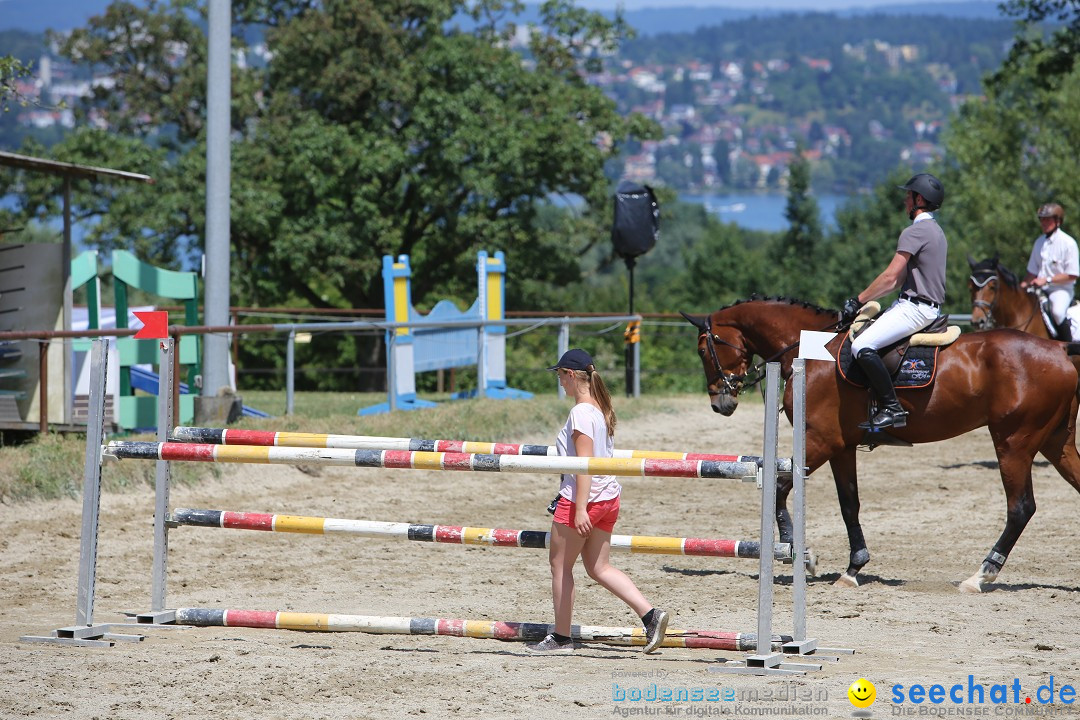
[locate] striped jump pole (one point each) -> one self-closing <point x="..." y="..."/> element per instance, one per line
<point x="488" y="629"/>
<point x="460" y="535"/>
<point x="268" y="438"/>
<point x="416" y="460"/>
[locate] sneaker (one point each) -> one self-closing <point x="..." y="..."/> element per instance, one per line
<point x="654" y="632"/>
<point x="551" y="646"/>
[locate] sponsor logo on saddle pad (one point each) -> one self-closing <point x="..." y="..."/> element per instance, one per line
<point x="916" y="370"/>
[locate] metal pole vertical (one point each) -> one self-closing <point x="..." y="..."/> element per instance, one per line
<point x="290" y="368"/>
<point x="564" y="345"/>
<point x="481" y="338"/>
<point x="99" y="368"/>
<point x="637" y="368"/>
<point x="218" y="169"/>
<point x="630" y="357"/>
<point x="391" y="371"/>
<point x="68" y="363"/>
<point x="43" y="387"/>
<point x="768" y="510"/>
<point x="176" y="374"/>
<point x="798" y="470"/>
<point x="162" y="476"/>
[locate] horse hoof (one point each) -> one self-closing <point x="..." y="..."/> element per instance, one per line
<point x="847" y="580"/>
<point x="971" y="586"/>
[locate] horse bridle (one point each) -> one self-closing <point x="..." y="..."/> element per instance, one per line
<point x="988" y="307"/>
<point x="733" y="383"/>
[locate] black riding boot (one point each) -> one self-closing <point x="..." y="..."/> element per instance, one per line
<point x="890" y="413"/>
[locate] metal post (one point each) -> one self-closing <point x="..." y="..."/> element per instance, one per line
<point x="798" y="469"/>
<point x="637" y="369"/>
<point x="765" y="656"/>
<point x="176" y="376"/>
<point x="162" y="479"/>
<point x="218" y="169"/>
<point x="481" y="362"/>
<point x="43" y="387"/>
<point x="290" y="367"/>
<point x="629" y="353"/>
<point x="564" y="345"/>
<point x="391" y="371"/>
<point x="99" y="368"/>
<point x="65" y="260"/>
<point x="481" y="338"/>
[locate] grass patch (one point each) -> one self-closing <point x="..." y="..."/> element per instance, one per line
<point x="51" y="466"/>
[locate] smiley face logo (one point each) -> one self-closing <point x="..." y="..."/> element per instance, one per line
<point x="862" y="693"/>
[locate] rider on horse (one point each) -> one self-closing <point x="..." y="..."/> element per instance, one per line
<point x="918" y="268"/>
<point x="1054" y="266"/>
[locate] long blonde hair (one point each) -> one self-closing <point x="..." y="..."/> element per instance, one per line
<point x="599" y="393"/>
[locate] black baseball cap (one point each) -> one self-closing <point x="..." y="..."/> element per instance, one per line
<point x="573" y="359"/>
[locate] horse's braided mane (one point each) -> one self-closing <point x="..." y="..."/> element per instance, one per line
<point x="781" y="299"/>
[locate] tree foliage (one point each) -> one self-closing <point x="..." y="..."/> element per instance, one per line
<point x="373" y="129"/>
<point x="1044" y="58"/>
<point x="1011" y="151"/>
<point x="797" y="254"/>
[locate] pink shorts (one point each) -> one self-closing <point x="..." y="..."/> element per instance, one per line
<point x="603" y="513"/>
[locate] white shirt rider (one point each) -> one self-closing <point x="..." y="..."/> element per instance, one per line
<point x="1055" y="265"/>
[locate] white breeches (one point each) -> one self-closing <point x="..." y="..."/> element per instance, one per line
<point x="903" y="318"/>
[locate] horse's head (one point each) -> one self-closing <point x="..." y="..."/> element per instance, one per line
<point x="983" y="286"/>
<point x="725" y="357"/>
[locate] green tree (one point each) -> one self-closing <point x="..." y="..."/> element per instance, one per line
<point x="1008" y="151"/>
<point x="373" y="129"/>
<point x="797" y="254"/>
<point x="11" y="71"/>
<point x="865" y="240"/>
<point x="1049" y="57"/>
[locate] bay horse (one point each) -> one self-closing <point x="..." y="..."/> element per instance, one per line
<point x="997" y="300"/>
<point x="1020" y="387"/>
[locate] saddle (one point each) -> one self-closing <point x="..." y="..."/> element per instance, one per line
<point x="911" y="361"/>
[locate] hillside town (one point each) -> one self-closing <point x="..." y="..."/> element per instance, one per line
<point x="718" y="136"/>
<point x="730" y="121"/>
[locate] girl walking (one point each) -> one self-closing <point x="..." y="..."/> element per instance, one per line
<point x="586" y="509"/>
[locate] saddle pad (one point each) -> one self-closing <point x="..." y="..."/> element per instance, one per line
<point x="914" y="369"/>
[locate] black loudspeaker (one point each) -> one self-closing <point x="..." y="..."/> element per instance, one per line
<point x="637" y="219"/>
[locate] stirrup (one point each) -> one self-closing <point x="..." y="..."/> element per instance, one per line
<point x="886" y="418"/>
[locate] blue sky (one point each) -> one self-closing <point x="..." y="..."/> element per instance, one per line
<point x="772" y="4"/>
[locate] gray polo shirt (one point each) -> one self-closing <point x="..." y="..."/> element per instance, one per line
<point x="925" y="240"/>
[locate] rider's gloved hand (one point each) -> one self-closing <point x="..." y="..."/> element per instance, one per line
<point x="850" y="309"/>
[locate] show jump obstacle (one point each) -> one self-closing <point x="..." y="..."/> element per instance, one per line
<point x="409" y="350"/>
<point x="493" y="629"/>
<point x="224" y="436"/>
<point x="461" y="535"/>
<point x="501" y="457"/>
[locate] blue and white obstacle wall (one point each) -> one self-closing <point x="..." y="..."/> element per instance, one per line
<point x="412" y="350"/>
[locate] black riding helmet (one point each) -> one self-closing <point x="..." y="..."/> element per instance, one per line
<point x="931" y="189"/>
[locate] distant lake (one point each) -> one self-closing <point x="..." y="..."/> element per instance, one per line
<point x="761" y="211"/>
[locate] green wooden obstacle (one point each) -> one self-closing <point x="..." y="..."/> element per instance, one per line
<point x="139" y="411"/>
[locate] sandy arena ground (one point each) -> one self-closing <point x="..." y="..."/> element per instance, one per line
<point x="930" y="514"/>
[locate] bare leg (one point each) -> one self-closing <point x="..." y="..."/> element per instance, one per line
<point x="566" y="545"/>
<point x="596" y="557"/>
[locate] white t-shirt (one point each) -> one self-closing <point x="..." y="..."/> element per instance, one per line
<point x="1053" y="255"/>
<point x="588" y="420"/>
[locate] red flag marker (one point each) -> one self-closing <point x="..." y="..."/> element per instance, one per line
<point x="155" y="324"/>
